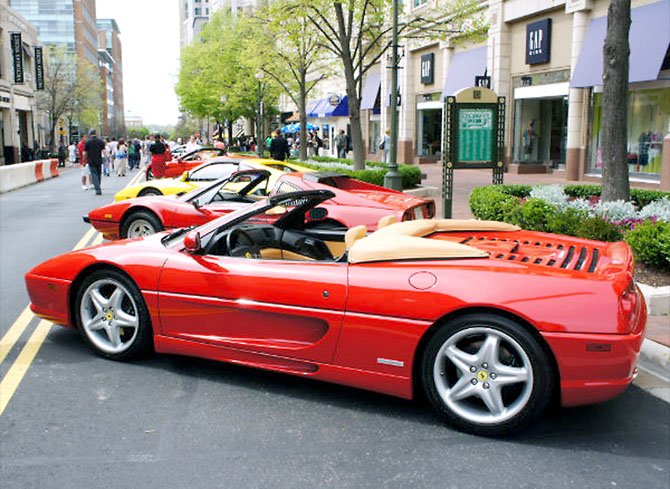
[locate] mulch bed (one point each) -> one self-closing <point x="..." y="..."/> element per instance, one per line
<point x="654" y="277"/>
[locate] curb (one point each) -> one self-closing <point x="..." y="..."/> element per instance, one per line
<point x="657" y="299"/>
<point x="422" y="191"/>
<point x="655" y="358"/>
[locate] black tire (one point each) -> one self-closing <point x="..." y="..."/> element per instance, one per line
<point x="127" y="314"/>
<point x="149" y="191"/>
<point x="479" y="396"/>
<point x="140" y="223"/>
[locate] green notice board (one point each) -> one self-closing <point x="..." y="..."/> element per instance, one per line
<point x="475" y="134"/>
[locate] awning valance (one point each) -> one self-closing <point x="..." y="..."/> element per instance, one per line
<point x="370" y="91"/>
<point x="463" y="68"/>
<point x="649" y="38"/>
<point x="323" y="108"/>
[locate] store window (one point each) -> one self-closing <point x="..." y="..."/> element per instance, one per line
<point x="648" y="122"/>
<point x="540" y="131"/>
<point x="374" y="136"/>
<point x="429" y="133"/>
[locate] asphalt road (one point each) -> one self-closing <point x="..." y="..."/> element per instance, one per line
<point x="77" y="421"/>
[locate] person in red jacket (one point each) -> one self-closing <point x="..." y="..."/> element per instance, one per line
<point x="157" y="150"/>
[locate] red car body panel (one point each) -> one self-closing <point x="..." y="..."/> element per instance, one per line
<point x="334" y="320"/>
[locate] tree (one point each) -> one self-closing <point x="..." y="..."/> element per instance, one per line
<point x="616" y="53"/>
<point x="138" y="132"/>
<point x="67" y="90"/>
<point x="288" y="52"/>
<point x="357" y="32"/>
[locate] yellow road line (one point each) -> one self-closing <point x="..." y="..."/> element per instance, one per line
<point x="15" y="331"/>
<point x="84" y="240"/>
<point x="97" y="240"/>
<point x="13" y="378"/>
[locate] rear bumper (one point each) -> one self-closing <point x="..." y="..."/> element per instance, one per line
<point x="596" y="367"/>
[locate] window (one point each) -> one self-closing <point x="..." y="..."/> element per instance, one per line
<point x="197" y="10"/>
<point x="419" y="3"/>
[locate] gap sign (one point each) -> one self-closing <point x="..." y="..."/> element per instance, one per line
<point x="538" y="42"/>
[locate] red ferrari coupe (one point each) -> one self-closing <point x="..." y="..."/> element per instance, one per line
<point x="354" y="203"/>
<point x="490" y="322"/>
<point x="179" y="165"/>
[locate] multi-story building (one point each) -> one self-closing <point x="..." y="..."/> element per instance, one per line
<point x="545" y="57"/>
<point x="235" y="6"/>
<point x="111" y="70"/>
<point x="193" y="15"/>
<point x="21" y="124"/>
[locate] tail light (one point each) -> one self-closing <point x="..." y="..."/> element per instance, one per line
<point x="629" y="303"/>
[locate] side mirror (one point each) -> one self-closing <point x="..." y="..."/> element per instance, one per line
<point x="318" y="213"/>
<point x="185" y="176"/>
<point x="192" y="242"/>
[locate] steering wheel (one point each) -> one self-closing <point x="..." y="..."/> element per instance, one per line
<point x="248" y="250"/>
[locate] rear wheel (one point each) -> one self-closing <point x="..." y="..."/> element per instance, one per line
<point x="486" y="375"/>
<point x="112" y="316"/>
<point x="149" y="191"/>
<point x="140" y="224"/>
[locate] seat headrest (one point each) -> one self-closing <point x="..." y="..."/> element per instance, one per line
<point x="386" y="220"/>
<point x="354" y="234"/>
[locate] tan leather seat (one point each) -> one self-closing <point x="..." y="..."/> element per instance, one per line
<point x="386" y="220"/>
<point x="354" y="234"/>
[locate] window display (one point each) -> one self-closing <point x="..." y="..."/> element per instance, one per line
<point x="429" y="132"/>
<point x="648" y="122"/>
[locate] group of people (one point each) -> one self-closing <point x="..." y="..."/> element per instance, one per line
<point x="313" y="143"/>
<point x="99" y="157"/>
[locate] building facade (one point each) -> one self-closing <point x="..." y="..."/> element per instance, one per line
<point x="21" y="123"/>
<point x="193" y="15"/>
<point x="111" y="72"/>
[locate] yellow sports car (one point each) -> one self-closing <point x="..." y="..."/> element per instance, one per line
<point x="213" y="169"/>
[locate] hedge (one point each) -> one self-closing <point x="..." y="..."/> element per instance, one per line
<point x="374" y="171"/>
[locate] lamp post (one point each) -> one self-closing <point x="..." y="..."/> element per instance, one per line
<point x="259" y="121"/>
<point x="392" y="179"/>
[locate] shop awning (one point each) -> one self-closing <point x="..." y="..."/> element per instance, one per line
<point x="323" y="108"/>
<point x="370" y="91"/>
<point x="463" y="68"/>
<point x="649" y="39"/>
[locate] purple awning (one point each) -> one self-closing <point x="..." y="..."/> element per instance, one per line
<point x="370" y="91"/>
<point x="463" y="68"/>
<point x="649" y="39"/>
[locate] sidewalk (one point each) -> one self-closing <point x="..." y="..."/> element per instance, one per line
<point x="655" y="354"/>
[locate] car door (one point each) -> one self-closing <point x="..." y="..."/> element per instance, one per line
<point x="286" y="308"/>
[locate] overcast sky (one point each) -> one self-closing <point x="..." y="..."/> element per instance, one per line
<point x="150" y="43"/>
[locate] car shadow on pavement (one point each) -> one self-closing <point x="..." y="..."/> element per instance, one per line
<point x="634" y="424"/>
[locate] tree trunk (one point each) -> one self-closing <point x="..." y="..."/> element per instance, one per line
<point x="616" y="51"/>
<point x="352" y="92"/>
<point x="303" y="115"/>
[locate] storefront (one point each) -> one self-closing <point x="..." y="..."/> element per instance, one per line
<point x="330" y="114"/>
<point x="371" y="107"/>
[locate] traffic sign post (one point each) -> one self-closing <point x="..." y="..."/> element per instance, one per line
<point x="473" y="137"/>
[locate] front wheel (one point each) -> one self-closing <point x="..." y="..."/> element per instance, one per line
<point x="486" y="375"/>
<point x="112" y="316"/>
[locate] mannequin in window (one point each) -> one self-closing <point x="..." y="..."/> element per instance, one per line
<point x="529" y="137"/>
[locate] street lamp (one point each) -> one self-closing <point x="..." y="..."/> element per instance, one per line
<point x="259" y="76"/>
<point x="392" y="179"/>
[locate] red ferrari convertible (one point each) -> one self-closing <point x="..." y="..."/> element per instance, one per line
<point x="354" y="203"/>
<point x="179" y="165"/>
<point x="490" y="322"/>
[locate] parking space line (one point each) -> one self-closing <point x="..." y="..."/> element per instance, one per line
<point x="13" y="378"/>
<point x="15" y="332"/>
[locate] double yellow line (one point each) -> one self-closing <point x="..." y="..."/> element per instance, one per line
<point x="10" y="382"/>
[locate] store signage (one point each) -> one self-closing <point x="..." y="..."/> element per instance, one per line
<point x="483" y="81"/>
<point x="428" y="68"/>
<point x="17" y="56"/>
<point x="538" y="42"/>
<point x="334" y="99"/>
<point x="39" y="69"/>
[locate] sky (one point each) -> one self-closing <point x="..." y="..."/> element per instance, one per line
<point x="150" y="45"/>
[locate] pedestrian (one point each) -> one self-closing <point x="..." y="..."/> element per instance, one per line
<point x="157" y="150"/>
<point x="61" y="154"/>
<point x="318" y="144"/>
<point x="146" y="154"/>
<point x="106" y="159"/>
<point x="341" y="143"/>
<point x="385" y="145"/>
<point x="72" y="153"/>
<point x="279" y="147"/>
<point x="121" y="158"/>
<point x="83" y="164"/>
<point x="131" y="155"/>
<point x="93" y="153"/>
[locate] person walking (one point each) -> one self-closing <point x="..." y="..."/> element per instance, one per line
<point x="106" y="159"/>
<point x="385" y="145"/>
<point x="62" y="152"/>
<point x="93" y="153"/>
<point x="83" y="164"/>
<point x="279" y="147"/>
<point x="341" y="143"/>
<point x="157" y="150"/>
<point x="121" y="158"/>
<point x="72" y="153"/>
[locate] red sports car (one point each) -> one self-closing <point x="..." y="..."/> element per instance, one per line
<point x="179" y="165"/>
<point x="355" y="203"/>
<point x="490" y="322"/>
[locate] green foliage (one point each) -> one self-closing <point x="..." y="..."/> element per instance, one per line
<point x="566" y="222"/>
<point x="651" y="243"/>
<point x="531" y="215"/>
<point x="518" y="190"/>
<point x="138" y="132"/>
<point x="599" y="229"/>
<point x="582" y="191"/>
<point x="642" y="197"/>
<point x="373" y="173"/>
<point x="491" y="203"/>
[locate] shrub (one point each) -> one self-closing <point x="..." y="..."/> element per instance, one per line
<point x="532" y="214"/>
<point x="373" y="173"/>
<point x="651" y="243"/>
<point x="491" y="203"/>
<point x="643" y="197"/>
<point x="582" y="191"/>
<point x="566" y="222"/>
<point x="599" y="229"/>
